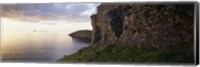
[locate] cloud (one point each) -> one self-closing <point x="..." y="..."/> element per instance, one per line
<point x="74" y="12"/>
<point x="90" y="11"/>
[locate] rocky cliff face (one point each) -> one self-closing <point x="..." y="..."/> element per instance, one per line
<point x="143" y="25"/>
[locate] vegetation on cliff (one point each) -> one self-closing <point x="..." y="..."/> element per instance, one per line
<point x="124" y="54"/>
<point x="82" y="35"/>
<point x="153" y="33"/>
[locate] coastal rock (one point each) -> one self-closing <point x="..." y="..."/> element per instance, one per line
<point x="143" y="25"/>
<point x="82" y="35"/>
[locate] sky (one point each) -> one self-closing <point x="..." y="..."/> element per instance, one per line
<point x="47" y="16"/>
<point x="70" y="12"/>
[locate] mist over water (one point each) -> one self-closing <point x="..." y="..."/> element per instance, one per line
<point x="39" y="32"/>
<point x="38" y="42"/>
<point x="37" y="46"/>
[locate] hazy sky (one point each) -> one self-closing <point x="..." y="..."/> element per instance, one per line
<point x="70" y="12"/>
<point x="65" y="17"/>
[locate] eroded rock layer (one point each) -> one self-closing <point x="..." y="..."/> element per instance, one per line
<point x="143" y="25"/>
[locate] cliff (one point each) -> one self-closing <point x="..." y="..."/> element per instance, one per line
<point x="82" y="35"/>
<point x="143" y="25"/>
<point x="140" y="33"/>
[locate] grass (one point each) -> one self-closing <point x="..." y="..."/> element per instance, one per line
<point x="125" y="54"/>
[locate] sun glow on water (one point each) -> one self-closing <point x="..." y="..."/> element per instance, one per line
<point x="22" y="38"/>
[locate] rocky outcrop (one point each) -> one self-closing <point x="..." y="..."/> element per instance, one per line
<point x="143" y="25"/>
<point x="82" y="35"/>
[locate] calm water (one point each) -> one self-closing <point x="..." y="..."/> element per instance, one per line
<point x="37" y="46"/>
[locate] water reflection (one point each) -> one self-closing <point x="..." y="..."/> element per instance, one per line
<point x="37" y="46"/>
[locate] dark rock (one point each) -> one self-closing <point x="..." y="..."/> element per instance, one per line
<point x="82" y="35"/>
<point x="142" y="25"/>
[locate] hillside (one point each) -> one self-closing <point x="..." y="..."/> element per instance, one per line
<point x="140" y="32"/>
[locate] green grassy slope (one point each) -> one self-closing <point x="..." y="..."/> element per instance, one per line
<point x="126" y="54"/>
